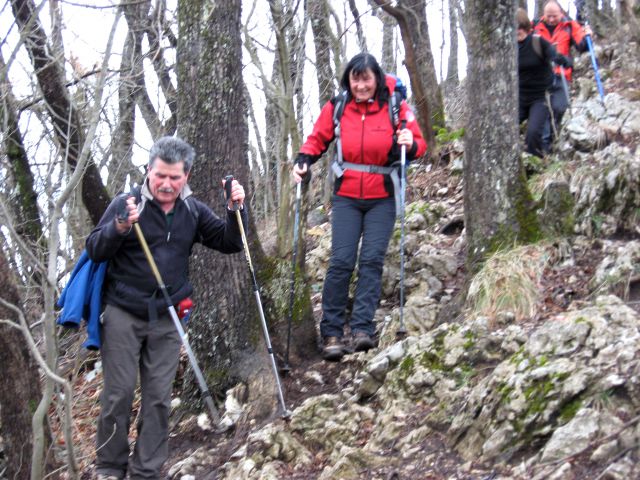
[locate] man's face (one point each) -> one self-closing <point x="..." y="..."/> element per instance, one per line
<point x="166" y="181"/>
<point x="552" y="14"/>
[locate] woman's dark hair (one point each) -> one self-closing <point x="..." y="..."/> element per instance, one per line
<point x="522" y="20"/>
<point x="358" y="65"/>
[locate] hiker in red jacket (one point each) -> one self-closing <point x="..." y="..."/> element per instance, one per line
<point x="363" y="202"/>
<point x="563" y="33"/>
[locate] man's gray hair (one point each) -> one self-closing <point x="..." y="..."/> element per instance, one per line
<point x="172" y="150"/>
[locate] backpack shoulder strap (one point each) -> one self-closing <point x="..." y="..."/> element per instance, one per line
<point x="395" y="99"/>
<point x="339" y="101"/>
<point x="537" y="46"/>
<point x="193" y="208"/>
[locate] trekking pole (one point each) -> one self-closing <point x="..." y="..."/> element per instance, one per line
<point x="565" y="86"/>
<point x="227" y="187"/>
<point x="402" y="330"/>
<point x="594" y="63"/>
<point x="286" y="368"/>
<point x="206" y="395"/>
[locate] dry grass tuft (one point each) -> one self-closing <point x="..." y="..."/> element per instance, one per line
<point x="509" y="283"/>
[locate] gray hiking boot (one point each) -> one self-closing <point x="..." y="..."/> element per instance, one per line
<point x="362" y="342"/>
<point x="333" y="349"/>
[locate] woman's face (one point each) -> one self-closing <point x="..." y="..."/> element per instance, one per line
<point x="522" y="34"/>
<point x="363" y="85"/>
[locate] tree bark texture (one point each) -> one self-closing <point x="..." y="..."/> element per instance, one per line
<point x="20" y="392"/>
<point x="129" y="87"/>
<point x="496" y="200"/>
<point x="64" y="115"/>
<point x="362" y="42"/>
<point x="288" y="36"/>
<point x="225" y="329"/>
<point x="25" y="205"/>
<point x="388" y="61"/>
<point x="318" y="12"/>
<point x="452" y="62"/>
<point x="538" y="11"/>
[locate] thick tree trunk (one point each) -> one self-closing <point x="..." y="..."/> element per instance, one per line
<point x="426" y="95"/>
<point x="496" y="200"/>
<point x="226" y="329"/>
<point x="64" y="115"/>
<point x="211" y="117"/>
<point x="20" y="392"/>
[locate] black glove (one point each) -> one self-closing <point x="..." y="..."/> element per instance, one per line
<point x="303" y="159"/>
<point x="564" y="61"/>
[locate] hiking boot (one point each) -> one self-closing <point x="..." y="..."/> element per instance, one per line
<point x="102" y="476"/>
<point x="333" y="349"/>
<point x="362" y="342"/>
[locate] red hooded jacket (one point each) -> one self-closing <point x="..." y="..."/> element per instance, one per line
<point x="367" y="138"/>
<point x="568" y="32"/>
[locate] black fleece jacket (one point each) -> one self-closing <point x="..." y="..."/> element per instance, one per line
<point x="130" y="283"/>
<point x="535" y="74"/>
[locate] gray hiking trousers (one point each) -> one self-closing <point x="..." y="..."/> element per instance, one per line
<point x="130" y="344"/>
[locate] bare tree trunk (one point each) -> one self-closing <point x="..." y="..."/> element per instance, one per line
<point x="362" y="42"/>
<point x="628" y="12"/>
<point x="496" y="201"/>
<point x="539" y="8"/>
<point x="427" y="98"/>
<point x="318" y="13"/>
<point x="20" y="391"/>
<point x="129" y="87"/>
<point x="282" y="21"/>
<point x="64" y="115"/>
<point x="452" y="63"/>
<point x="388" y="61"/>
<point x="25" y="206"/>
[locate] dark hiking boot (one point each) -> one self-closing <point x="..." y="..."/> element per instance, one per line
<point x="362" y="342"/>
<point x="333" y="349"/>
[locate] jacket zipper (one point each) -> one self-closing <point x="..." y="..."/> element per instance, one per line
<point x="366" y="108"/>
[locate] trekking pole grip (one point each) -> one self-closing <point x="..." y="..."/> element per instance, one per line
<point x="228" y="181"/>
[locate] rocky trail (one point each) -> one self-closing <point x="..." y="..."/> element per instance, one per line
<point x="534" y="374"/>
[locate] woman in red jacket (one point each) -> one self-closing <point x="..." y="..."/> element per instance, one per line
<point x="363" y="201"/>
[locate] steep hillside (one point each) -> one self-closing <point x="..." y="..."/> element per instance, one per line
<point x="531" y="369"/>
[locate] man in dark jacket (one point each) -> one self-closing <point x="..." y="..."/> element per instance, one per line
<point x="138" y="334"/>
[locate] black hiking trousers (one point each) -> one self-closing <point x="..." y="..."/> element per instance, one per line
<point x="559" y="105"/>
<point x="536" y="112"/>
<point x="351" y="220"/>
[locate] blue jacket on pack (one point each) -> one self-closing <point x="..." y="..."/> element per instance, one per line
<point x="82" y="299"/>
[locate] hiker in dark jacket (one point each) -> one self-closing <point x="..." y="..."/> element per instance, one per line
<point x="563" y="33"/>
<point x="535" y="77"/>
<point x="363" y="202"/>
<point x="138" y="334"/>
